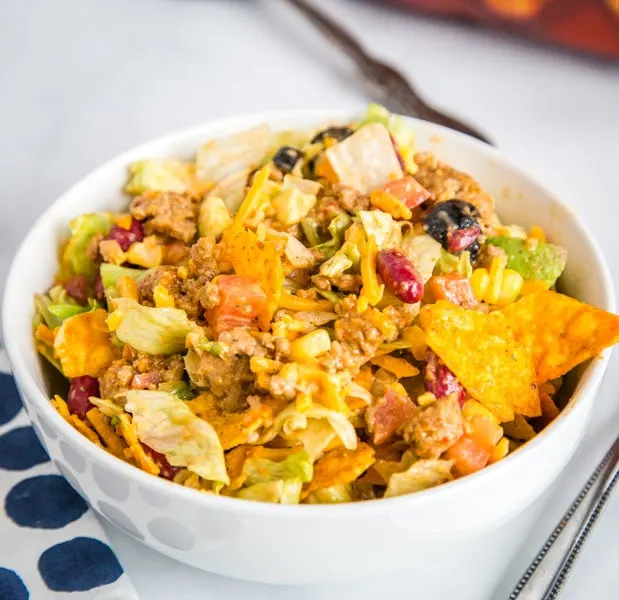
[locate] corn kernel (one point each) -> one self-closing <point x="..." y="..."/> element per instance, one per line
<point x="511" y="286"/>
<point x="182" y="272"/>
<point x="127" y="288"/>
<point x="480" y="281"/>
<point x="417" y="338"/>
<point x="311" y="345"/>
<point x="114" y="321"/>
<point x="500" y="450"/>
<point x="303" y="401"/>
<point x="261" y="232"/>
<point x="473" y="408"/>
<point x="426" y="399"/>
<point x="497" y="269"/>
<point x="162" y="297"/>
<point x="536" y="232"/>
<point x="145" y="254"/>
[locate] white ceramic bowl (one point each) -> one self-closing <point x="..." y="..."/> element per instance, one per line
<point x="309" y="543"/>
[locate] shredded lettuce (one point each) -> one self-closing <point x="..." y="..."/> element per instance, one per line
<point x="232" y="189"/>
<point x="423" y="250"/>
<point x="340" y="492"/>
<point x="159" y="175"/>
<point x="422" y="474"/>
<point x="337" y="228"/>
<point x="214" y="217"/>
<point x="226" y="156"/>
<point x="198" y="340"/>
<point x="165" y="423"/>
<point x="261" y="470"/>
<point x="450" y="263"/>
<point x="310" y="230"/>
<point x="56" y="306"/>
<point x="75" y="259"/>
<point x="180" y="389"/>
<point x="295" y="199"/>
<point x="107" y="407"/>
<point x="290" y="422"/>
<point x="297" y="254"/>
<point x="366" y="160"/>
<point x="110" y="274"/>
<point x="278" y="492"/>
<point x="382" y="227"/>
<point x="150" y="330"/>
<point x="398" y="127"/>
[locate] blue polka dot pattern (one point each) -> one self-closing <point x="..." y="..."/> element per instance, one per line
<point x="11" y="586"/>
<point x="79" y="565"/>
<point x="20" y="450"/>
<point x="10" y="402"/>
<point x="44" y="502"/>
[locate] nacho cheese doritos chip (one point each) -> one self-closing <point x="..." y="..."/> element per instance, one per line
<point x="480" y="349"/>
<point x="560" y="331"/>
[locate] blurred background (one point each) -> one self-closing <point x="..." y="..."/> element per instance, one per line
<point x="82" y="80"/>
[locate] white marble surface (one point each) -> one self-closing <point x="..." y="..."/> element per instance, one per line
<point x="81" y="80"/>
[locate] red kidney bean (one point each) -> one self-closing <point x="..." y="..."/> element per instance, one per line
<point x="80" y="390"/>
<point x="167" y="471"/>
<point x="399" y="275"/>
<point x="440" y="380"/>
<point x="99" y="290"/>
<point x="77" y="287"/>
<point x="460" y="239"/>
<point x="126" y="237"/>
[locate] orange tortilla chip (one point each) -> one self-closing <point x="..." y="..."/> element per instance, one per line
<point x="560" y="331"/>
<point x="340" y="466"/>
<point x="480" y="349"/>
<point x="235" y="428"/>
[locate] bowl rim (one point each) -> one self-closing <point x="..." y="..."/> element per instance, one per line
<point x="26" y="382"/>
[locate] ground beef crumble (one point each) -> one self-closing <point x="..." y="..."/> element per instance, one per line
<point x="139" y="371"/>
<point x="167" y="213"/>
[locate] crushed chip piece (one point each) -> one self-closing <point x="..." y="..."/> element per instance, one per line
<point x="560" y="331"/>
<point x="340" y="466"/>
<point x="481" y="351"/>
<point x="234" y="428"/>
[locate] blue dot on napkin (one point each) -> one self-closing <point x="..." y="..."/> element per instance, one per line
<point x="44" y="502"/>
<point x="20" y="450"/>
<point x="10" y="403"/>
<point x="11" y="586"/>
<point x="78" y="565"/>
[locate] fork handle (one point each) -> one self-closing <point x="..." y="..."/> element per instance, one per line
<point x="546" y="575"/>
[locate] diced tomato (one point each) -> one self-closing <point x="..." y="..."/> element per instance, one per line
<point x="468" y="456"/>
<point x="388" y="414"/>
<point x="241" y="300"/>
<point x="408" y="190"/>
<point x="454" y="288"/>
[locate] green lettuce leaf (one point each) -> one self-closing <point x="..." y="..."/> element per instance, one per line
<point x="165" y="423"/>
<point x="159" y="175"/>
<point x="261" y="470"/>
<point x="225" y="156"/>
<point x="214" y="217"/>
<point x="341" y="492"/>
<point x="337" y="228"/>
<point x="111" y="273"/>
<point x="422" y="474"/>
<point x="382" y="227"/>
<point x="290" y="423"/>
<point x="278" y="492"/>
<point x="180" y="389"/>
<point x="543" y="261"/>
<point x="151" y="330"/>
<point x="398" y="127"/>
<point x="75" y="260"/>
<point x="450" y="263"/>
<point x="424" y="252"/>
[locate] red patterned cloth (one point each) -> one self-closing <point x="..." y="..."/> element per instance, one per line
<point x="586" y="25"/>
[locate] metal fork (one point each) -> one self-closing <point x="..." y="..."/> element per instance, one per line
<point x="399" y="95"/>
<point x="546" y="575"/>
